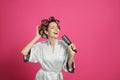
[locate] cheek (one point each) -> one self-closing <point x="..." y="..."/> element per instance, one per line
<point x="58" y="30"/>
<point x="50" y="32"/>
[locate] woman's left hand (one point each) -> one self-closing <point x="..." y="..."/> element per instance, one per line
<point x="71" y="48"/>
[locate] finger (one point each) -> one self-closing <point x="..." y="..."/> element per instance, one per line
<point x="73" y="46"/>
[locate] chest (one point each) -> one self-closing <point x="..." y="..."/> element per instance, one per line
<point x="56" y="55"/>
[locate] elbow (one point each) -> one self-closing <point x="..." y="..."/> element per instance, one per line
<point x="25" y="56"/>
<point x="23" y="53"/>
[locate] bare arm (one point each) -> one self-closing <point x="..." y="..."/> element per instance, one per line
<point x="26" y="49"/>
<point x="71" y="56"/>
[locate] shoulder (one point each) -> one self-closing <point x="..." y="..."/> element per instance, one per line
<point x="39" y="44"/>
<point x="62" y="43"/>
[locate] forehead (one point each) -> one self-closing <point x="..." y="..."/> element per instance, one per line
<point x="53" y="24"/>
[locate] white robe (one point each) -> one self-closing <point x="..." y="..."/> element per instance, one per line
<point x="51" y="62"/>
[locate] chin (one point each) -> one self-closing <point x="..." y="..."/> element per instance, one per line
<point x="56" y="37"/>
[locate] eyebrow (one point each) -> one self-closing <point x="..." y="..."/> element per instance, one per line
<point x="54" y="26"/>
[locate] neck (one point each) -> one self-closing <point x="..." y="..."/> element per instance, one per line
<point x="52" y="41"/>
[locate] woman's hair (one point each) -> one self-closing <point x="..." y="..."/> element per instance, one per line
<point x="45" y="24"/>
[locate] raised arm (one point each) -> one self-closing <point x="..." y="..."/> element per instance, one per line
<point x="27" y="48"/>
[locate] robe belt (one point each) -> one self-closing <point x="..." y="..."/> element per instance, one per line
<point x="50" y="71"/>
<point x="56" y="75"/>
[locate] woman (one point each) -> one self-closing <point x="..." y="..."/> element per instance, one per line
<point x="53" y="54"/>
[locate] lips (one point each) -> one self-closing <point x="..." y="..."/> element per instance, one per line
<point x="55" y="33"/>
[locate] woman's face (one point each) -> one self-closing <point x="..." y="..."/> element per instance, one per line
<point x="53" y="30"/>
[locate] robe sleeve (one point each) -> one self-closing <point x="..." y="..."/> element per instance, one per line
<point x="65" y="65"/>
<point x="33" y="54"/>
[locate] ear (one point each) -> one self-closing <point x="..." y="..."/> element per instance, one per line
<point x="46" y="32"/>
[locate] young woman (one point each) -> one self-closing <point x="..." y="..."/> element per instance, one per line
<point x="53" y="54"/>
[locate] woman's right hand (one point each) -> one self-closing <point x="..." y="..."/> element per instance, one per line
<point x="37" y="32"/>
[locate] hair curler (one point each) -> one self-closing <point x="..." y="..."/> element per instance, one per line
<point x="68" y="42"/>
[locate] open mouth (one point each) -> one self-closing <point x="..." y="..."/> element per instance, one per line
<point x="55" y="33"/>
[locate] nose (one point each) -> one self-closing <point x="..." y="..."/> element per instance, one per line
<point x="56" y="29"/>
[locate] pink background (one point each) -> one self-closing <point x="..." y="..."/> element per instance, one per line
<point x="92" y="25"/>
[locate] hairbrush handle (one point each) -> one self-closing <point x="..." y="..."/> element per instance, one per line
<point x="67" y="41"/>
